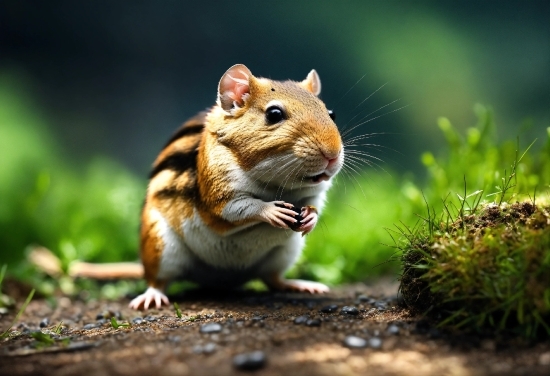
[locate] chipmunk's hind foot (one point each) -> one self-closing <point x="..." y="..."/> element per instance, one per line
<point x="149" y="296"/>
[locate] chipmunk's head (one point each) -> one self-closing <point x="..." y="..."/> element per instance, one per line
<point x="279" y="131"/>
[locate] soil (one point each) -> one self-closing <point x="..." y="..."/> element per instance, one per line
<point x="290" y="331"/>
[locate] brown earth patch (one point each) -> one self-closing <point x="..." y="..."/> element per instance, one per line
<point x="160" y="343"/>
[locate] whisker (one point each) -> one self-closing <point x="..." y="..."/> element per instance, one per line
<point x="355" y="153"/>
<point x="374" y="92"/>
<point x="285" y="181"/>
<point x="366" y="136"/>
<point x="354" y="178"/>
<point x="277" y="168"/>
<point x="363" y="101"/>
<point x="373" y="112"/>
<point x="269" y="181"/>
<point x="357" y="163"/>
<point x="374" y="118"/>
<point x="350" y="89"/>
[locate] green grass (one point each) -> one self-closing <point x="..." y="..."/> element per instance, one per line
<point x="6" y="332"/>
<point x="87" y="210"/>
<point x="5" y="300"/>
<point x="178" y="310"/>
<point x="115" y="324"/>
<point x="479" y="259"/>
<point x="487" y="271"/>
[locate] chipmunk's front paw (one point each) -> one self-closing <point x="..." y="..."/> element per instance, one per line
<point x="279" y="214"/>
<point x="150" y="295"/>
<point x="309" y="219"/>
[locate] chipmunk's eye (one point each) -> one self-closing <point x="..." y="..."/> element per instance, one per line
<point x="332" y="115"/>
<point x="274" y="114"/>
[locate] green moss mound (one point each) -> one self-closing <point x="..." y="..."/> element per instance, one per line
<point x="488" y="271"/>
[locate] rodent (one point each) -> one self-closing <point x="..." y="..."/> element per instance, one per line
<point x="224" y="190"/>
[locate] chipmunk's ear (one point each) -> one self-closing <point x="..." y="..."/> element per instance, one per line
<point x="234" y="87"/>
<point x="312" y="83"/>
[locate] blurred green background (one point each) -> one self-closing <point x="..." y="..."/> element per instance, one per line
<point x="89" y="93"/>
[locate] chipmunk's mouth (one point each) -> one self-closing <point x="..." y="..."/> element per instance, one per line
<point x="318" y="178"/>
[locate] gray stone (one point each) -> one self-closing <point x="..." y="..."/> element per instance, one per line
<point x="212" y="327"/>
<point x="355" y="342"/>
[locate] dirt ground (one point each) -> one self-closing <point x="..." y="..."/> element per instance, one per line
<point x="291" y="332"/>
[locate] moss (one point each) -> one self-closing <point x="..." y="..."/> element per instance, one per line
<point x="488" y="271"/>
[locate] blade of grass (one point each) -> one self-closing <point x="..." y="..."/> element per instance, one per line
<point x="23" y="307"/>
<point x="2" y="274"/>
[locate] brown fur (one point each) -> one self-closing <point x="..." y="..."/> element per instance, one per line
<point x="192" y="170"/>
<point x="249" y="139"/>
<point x="151" y="249"/>
<point x="171" y="191"/>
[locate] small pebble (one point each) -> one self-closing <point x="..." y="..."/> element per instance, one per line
<point x="91" y="326"/>
<point x="107" y="314"/>
<point x="212" y="327"/>
<point x="371" y="311"/>
<point x="311" y="304"/>
<point x="209" y="348"/>
<point x="355" y="342"/>
<point x="313" y="322"/>
<point x="150" y="318"/>
<point x="174" y="339"/>
<point x="44" y="322"/>
<point x="364" y="299"/>
<point x="137" y="320"/>
<point x="257" y="318"/>
<point x="300" y="320"/>
<point x="375" y="342"/>
<point x="393" y="329"/>
<point x="349" y="310"/>
<point x="250" y="361"/>
<point x="329" y="308"/>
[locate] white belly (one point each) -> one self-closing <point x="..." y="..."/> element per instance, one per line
<point x="205" y="257"/>
<point x="237" y="250"/>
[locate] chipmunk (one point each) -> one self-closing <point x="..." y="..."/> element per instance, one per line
<point x="231" y="182"/>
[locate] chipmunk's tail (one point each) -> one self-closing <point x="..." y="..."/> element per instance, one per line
<point x="46" y="261"/>
<point x="115" y="270"/>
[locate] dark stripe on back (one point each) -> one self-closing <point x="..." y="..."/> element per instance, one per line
<point x="178" y="162"/>
<point x="189" y="192"/>
<point x="185" y="130"/>
<point x="182" y="161"/>
<point x="190" y="127"/>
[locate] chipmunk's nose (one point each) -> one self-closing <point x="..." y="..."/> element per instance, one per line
<point x="331" y="157"/>
<point x="331" y="162"/>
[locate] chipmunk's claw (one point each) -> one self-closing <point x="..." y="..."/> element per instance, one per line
<point x="149" y="296"/>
